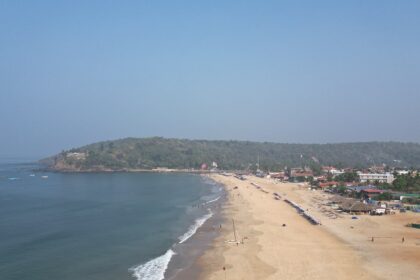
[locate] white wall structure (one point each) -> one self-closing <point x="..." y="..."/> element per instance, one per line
<point x="380" y="177"/>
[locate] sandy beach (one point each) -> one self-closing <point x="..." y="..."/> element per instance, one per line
<point x="275" y="242"/>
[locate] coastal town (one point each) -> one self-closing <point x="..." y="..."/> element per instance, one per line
<point x="341" y="218"/>
<point x="376" y="190"/>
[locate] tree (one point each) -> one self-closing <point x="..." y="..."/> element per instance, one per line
<point x="341" y="190"/>
<point x="311" y="180"/>
<point x="316" y="169"/>
<point x="385" y="186"/>
<point x="329" y="177"/>
<point x="400" y="183"/>
<point x="347" y="177"/>
<point x="384" y="196"/>
<point x="407" y="183"/>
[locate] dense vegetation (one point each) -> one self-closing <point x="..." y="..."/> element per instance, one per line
<point x="180" y="153"/>
<point x="407" y="183"/>
<point x="404" y="183"/>
<point x="347" y="177"/>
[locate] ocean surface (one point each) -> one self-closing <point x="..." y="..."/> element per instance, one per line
<point x="99" y="225"/>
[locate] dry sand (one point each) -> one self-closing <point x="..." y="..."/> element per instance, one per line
<point x="338" y="249"/>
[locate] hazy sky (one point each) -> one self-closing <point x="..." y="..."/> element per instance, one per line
<point x="76" y="72"/>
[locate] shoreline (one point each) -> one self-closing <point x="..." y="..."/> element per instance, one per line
<point x="184" y="265"/>
<point x="337" y="249"/>
<point x="177" y="263"/>
<point x="214" y="263"/>
<point x="104" y="170"/>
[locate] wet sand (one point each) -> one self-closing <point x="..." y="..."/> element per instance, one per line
<point x="183" y="265"/>
<point x="338" y="249"/>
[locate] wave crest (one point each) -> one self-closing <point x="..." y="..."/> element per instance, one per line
<point x="193" y="228"/>
<point x="153" y="269"/>
<point x="213" y="200"/>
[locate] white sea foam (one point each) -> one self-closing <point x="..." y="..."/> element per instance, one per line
<point x="193" y="228"/>
<point x="208" y="180"/>
<point x="153" y="269"/>
<point x="213" y="200"/>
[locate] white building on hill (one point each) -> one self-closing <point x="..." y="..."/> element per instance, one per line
<point x="380" y="177"/>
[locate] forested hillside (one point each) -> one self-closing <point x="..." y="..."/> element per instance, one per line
<point x="148" y="153"/>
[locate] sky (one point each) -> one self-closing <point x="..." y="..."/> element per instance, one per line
<point x="77" y="72"/>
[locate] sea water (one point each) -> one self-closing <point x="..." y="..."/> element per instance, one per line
<point x="97" y="225"/>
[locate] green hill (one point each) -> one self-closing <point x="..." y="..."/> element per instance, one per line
<point x="148" y="153"/>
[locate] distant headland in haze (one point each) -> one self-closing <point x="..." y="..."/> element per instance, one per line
<point x="131" y="154"/>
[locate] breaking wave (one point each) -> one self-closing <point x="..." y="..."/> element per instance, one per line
<point x="213" y="200"/>
<point x="153" y="269"/>
<point x="193" y="228"/>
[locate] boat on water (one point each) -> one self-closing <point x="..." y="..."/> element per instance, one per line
<point x="32" y="175"/>
<point x="44" y="177"/>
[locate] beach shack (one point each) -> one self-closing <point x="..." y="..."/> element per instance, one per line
<point x="325" y="185"/>
<point x="336" y="201"/>
<point x="281" y="176"/>
<point x="379" y="211"/>
<point x="356" y="207"/>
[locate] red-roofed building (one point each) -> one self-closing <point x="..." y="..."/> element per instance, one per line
<point x="279" y="176"/>
<point x="327" y="184"/>
<point x="370" y="192"/>
<point x="296" y="172"/>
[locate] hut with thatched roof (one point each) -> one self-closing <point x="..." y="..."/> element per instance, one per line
<point x="356" y="207"/>
<point x="338" y="199"/>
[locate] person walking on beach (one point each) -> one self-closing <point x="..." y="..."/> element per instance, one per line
<point x="402" y="240"/>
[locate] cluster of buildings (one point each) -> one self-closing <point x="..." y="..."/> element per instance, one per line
<point x="375" y="174"/>
<point x="369" y="205"/>
<point x="354" y="206"/>
<point x="284" y="175"/>
<point x="357" y="195"/>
